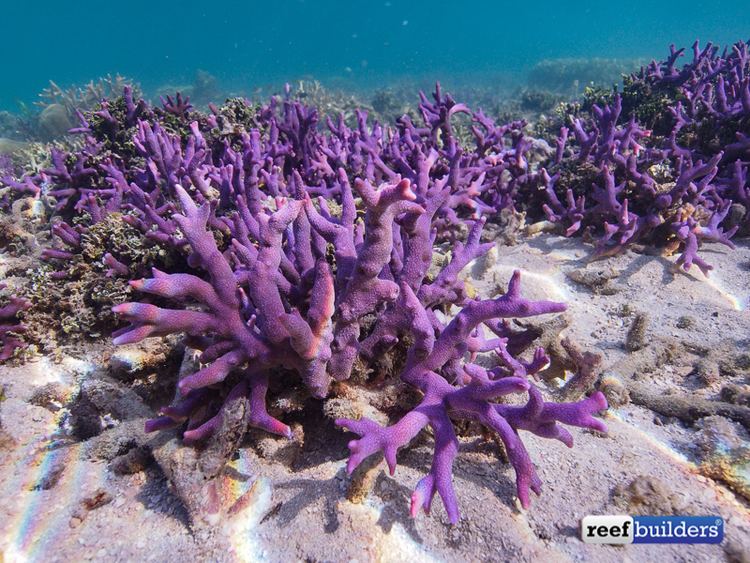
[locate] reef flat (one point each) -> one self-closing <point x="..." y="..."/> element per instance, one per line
<point x="233" y="315"/>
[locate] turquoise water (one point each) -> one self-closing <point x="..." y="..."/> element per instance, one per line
<point x="362" y="43"/>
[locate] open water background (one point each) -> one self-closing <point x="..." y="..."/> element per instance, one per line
<point x="356" y="43"/>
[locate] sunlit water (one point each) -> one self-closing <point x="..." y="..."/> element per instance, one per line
<point x="247" y="44"/>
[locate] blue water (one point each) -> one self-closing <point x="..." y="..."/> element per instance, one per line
<point x="250" y="44"/>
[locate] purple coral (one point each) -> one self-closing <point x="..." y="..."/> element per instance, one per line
<point x="275" y="297"/>
<point x="698" y="137"/>
<point x="309" y="246"/>
<point x="244" y="320"/>
<point x="10" y="326"/>
<point x="471" y="396"/>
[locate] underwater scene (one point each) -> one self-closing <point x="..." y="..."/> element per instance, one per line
<point x="375" y="281"/>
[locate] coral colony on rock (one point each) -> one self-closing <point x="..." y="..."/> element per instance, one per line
<point x="315" y="249"/>
<point x="674" y="186"/>
<point x="11" y="327"/>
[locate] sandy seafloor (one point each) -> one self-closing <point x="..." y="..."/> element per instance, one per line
<point x="50" y="497"/>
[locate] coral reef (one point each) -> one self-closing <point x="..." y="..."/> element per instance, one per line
<point x="335" y="102"/>
<point x="83" y="98"/>
<point x="203" y="90"/>
<point x="294" y="239"/>
<point x="672" y="189"/>
<point x="51" y="117"/>
<point x="60" y="106"/>
<point x="297" y="253"/>
<point x="571" y="76"/>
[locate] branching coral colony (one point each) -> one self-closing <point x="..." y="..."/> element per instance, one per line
<point x="308" y="248"/>
<point x="672" y="186"/>
<point x="295" y="238"/>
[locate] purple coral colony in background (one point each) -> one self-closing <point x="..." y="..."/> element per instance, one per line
<point x="308" y="245"/>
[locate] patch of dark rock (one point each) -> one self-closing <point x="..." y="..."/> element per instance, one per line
<point x="51" y="476"/>
<point x="684" y="406"/>
<point x="323" y="440"/>
<point x="7" y="441"/>
<point x="225" y="442"/>
<point x="100" y="403"/>
<point x="362" y="480"/>
<point x="85" y="420"/>
<point x="706" y="372"/>
<point x="278" y="448"/>
<point x="149" y="356"/>
<point x="150" y="369"/>
<point x="50" y="396"/>
<point x="648" y="495"/>
<point x="735" y="217"/>
<point x="722" y="450"/>
<point x="116" y="441"/>
<point x="458" y="534"/>
<point x="737" y="394"/>
<point x="546" y="335"/>
<point x="96" y="499"/>
<point x="586" y="367"/>
<point x="615" y="391"/>
<point x="736" y="551"/>
<point x="271" y="513"/>
<point x="505" y="228"/>
<point x="737" y="365"/>
<point x="133" y="461"/>
<point x="181" y="466"/>
<point x="599" y="281"/>
<point x="636" y="338"/>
